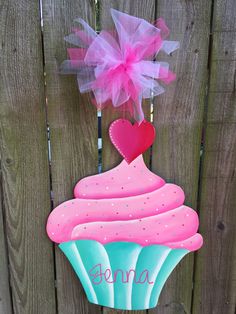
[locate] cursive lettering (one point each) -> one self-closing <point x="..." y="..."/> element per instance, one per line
<point x="98" y="275"/>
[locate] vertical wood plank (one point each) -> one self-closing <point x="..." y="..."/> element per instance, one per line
<point x="178" y="115"/>
<point x="24" y="155"/>
<point x="73" y="133"/>
<point x="215" y="279"/>
<point x="110" y="157"/>
<point x="5" y="295"/>
<point x="139" y="8"/>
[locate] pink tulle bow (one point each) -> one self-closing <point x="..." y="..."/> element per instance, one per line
<point x="118" y="65"/>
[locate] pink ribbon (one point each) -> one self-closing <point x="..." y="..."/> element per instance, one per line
<point x="117" y="66"/>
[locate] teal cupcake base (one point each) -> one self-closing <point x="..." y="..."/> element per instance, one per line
<point x="122" y="275"/>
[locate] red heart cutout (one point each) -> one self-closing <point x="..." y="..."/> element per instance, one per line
<point x="131" y="140"/>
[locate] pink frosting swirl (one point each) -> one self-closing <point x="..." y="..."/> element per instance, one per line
<point x="135" y="205"/>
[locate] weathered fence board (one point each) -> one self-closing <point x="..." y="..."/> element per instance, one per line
<point x="24" y="157"/>
<point x="146" y="10"/>
<point x="139" y="8"/>
<point x="215" y="288"/>
<point x="73" y="133"/>
<point x="178" y="116"/>
<point x="5" y="294"/>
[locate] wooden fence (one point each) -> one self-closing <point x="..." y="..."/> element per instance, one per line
<point x="195" y="147"/>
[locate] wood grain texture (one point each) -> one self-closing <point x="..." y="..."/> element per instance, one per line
<point x="110" y="156"/>
<point x="73" y="132"/>
<point x="215" y="288"/>
<point x="5" y="293"/>
<point x="178" y="116"/>
<point x="24" y="156"/>
<point x="142" y="9"/>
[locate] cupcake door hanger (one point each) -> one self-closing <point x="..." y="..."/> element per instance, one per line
<point x="126" y="229"/>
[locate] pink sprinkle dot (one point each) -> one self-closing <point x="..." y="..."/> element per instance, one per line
<point x="144" y="228"/>
<point x="85" y="228"/>
<point x="183" y="225"/>
<point x="101" y="226"/>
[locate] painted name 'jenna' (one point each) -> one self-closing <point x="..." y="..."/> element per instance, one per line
<point x="98" y="275"/>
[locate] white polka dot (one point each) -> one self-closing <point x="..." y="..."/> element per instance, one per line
<point x="53" y="233"/>
<point x="157" y="209"/>
<point x="187" y="215"/>
<point x="129" y="178"/>
<point x="89" y="204"/>
<point x="76" y="215"/>
<point x="107" y="187"/>
<point x="181" y="244"/>
<point x="146" y="240"/>
<point x="166" y="226"/>
<point x="62" y="215"/>
<point x="112" y="204"/>
<point x="150" y="179"/>
<point x="83" y="194"/>
<point x="130" y="215"/>
<point x="105" y="238"/>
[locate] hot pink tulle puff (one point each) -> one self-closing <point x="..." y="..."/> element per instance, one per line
<point x="118" y="65"/>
